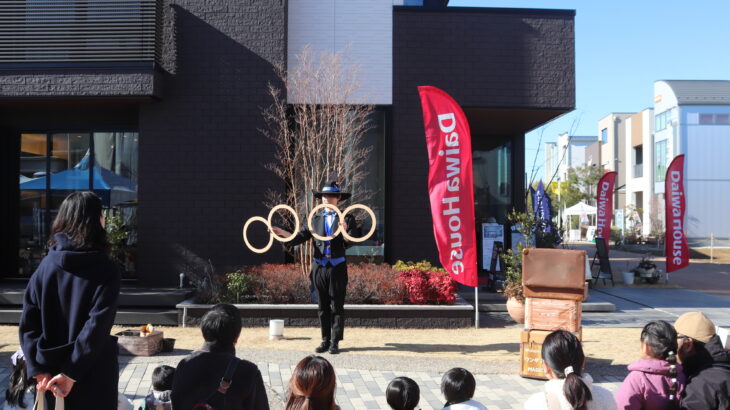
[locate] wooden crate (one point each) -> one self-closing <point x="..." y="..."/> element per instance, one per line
<point x="132" y="344"/>
<point x="552" y="314"/>
<point x="531" y="352"/>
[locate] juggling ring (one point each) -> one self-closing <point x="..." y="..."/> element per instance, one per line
<point x="341" y="215"/>
<point x="272" y="235"/>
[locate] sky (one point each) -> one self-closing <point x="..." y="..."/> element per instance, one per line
<point x="623" y="47"/>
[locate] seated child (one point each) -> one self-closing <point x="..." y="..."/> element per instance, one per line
<point x="457" y="386"/>
<point x="21" y="390"/>
<point x="159" y="399"/>
<point x="402" y="393"/>
<point x="656" y="381"/>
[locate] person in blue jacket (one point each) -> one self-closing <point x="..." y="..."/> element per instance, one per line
<point x="69" y="308"/>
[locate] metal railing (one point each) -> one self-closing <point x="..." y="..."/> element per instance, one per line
<point x="80" y="31"/>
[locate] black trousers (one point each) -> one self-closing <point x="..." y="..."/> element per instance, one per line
<point x="331" y="284"/>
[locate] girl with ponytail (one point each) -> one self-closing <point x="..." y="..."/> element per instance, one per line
<point x="312" y="385"/>
<point x="656" y="381"/>
<point x="569" y="387"/>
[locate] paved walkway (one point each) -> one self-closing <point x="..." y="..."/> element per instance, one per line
<point x="362" y="379"/>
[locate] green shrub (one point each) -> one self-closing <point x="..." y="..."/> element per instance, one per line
<point x="238" y="286"/>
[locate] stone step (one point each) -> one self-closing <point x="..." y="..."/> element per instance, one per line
<point x="125" y="316"/>
<point x="133" y="297"/>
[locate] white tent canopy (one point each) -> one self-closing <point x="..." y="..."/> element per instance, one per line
<point x="581" y="208"/>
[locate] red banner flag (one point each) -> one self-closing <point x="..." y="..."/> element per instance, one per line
<point x="675" y="243"/>
<point x="604" y="213"/>
<point x="450" y="183"/>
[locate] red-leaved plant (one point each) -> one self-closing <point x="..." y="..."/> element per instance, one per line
<point x="427" y="285"/>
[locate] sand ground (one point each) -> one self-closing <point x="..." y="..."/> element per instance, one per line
<point x="610" y="346"/>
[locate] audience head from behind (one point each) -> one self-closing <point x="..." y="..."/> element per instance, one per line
<point x="458" y="386"/>
<point x="221" y="325"/>
<point x="80" y="220"/>
<point x="564" y="359"/>
<point x="162" y="378"/>
<point x="312" y="385"/>
<point x="402" y="393"/>
<point x="659" y="342"/>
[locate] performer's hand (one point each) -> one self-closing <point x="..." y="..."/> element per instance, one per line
<point x="42" y="381"/>
<point x="279" y="231"/>
<point x="61" y="385"/>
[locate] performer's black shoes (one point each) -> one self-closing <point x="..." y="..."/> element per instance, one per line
<point x="323" y="346"/>
<point x="334" y="349"/>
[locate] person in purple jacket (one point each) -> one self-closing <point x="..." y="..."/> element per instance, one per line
<point x="656" y="381"/>
<point x="69" y="308"/>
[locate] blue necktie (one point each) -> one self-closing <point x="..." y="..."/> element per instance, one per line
<point x="328" y="232"/>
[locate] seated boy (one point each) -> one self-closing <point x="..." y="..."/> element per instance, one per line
<point x="159" y="399"/>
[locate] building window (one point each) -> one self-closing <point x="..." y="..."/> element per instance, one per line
<point x="372" y="188"/>
<point x="722" y="119"/>
<point x="662" y="120"/>
<point x="660" y="159"/>
<point x="706" y="119"/>
<point x="604" y="135"/>
<point x="638" y="161"/>
<point x="52" y="165"/>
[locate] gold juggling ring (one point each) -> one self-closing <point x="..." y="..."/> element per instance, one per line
<point x="296" y="222"/>
<point x="372" y="217"/>
<point x="314" y="211"/>
<point x="245" y="239"/>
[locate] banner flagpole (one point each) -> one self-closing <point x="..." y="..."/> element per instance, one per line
<point x="476" y="307"/>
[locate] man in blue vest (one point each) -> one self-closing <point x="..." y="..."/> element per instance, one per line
<point x="329" y="268"/>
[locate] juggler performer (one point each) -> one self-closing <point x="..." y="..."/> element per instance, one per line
<point x="329" y="268"/>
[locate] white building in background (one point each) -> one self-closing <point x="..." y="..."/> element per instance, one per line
<point x="573" y="151"/>
<point x="638" y="154"/>
<point x="692" y="117"/>
<point x="551" y="160"/>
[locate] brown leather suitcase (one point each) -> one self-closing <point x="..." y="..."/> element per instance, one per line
<point x="553" y="273"/>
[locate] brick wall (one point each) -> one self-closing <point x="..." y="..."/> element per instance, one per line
<point x="201" y="156"/>
<point x="492" y="58"/>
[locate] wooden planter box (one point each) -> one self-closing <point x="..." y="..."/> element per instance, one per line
<point x="132" y="344"/>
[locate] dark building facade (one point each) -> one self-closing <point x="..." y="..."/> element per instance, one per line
<point x="168" y="133"/>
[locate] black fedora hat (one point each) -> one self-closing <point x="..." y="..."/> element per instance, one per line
<point x="332" y="189"/>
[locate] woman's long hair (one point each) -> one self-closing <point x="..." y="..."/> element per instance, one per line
<point x="561" y="350"/>
<point x="661" y="338"/>
<point x="312" y="385"/>
<point x="18" y="384"/>
<point x="80" y="219"/>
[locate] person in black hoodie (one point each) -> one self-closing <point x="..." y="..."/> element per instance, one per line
<point x="329" y="267"/>
<point x="706" y="363"/>
<point x="69" y="308"/>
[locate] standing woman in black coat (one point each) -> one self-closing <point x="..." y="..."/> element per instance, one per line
<point x="69" y="308"/>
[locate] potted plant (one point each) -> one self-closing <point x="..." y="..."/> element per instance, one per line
<point x="646" y="270"/>
<point x="536" y="233"/>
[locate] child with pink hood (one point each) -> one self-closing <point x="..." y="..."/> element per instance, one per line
<point x="656" y="381"/>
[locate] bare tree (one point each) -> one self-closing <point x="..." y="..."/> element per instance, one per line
<point x="318" y="128"/>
